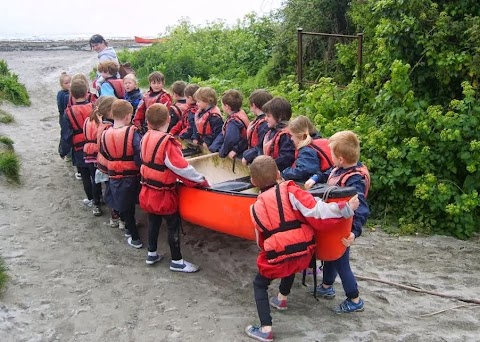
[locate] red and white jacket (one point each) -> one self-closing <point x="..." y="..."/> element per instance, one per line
<point x="148" y="99"/>
<point x="162" y="164"/>
<point x="285" y="217"/>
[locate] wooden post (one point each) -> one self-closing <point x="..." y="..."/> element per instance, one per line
<point x="360" y="56"/>
<point x="299" y="57"/>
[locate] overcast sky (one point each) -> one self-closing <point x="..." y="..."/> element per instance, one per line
<point x="116" y="18"/>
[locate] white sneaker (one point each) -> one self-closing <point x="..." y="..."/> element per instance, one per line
<point x="134" y="243"/>
<point x="114" y="223"/>
<point x="121" y="224"/>
<point x="88" y="203"/>
<point x="186" y="267"/>
<point x="78" y="176"/>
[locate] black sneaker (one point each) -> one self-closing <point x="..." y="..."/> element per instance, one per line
<point x="134" y="243"/>
<point x="152" y="259"/>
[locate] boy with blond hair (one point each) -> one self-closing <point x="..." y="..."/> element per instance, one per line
<point x="132" y="92"/>
<point x="121" y="147"/>
<point x="162" y="165"/>
<point x="208" y="118"/>
<point x="156" y="94"/>
<point x="232" y="141"/>
<point x="284" y="252"/>
<point x="348" y="171"/>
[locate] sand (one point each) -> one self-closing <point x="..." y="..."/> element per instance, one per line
<point x="73" y="278"/>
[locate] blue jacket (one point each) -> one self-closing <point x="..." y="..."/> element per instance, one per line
<point x="62" y="102"/>
<point x="306" y="165"/>
<point x="232" y="140"/>
<point x="188" y="134"/>
<point x="134" y="97"/>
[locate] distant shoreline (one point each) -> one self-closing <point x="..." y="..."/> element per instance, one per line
<point x="67" y="44"/>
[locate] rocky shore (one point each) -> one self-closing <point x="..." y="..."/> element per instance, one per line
<point x="52" y="45"/>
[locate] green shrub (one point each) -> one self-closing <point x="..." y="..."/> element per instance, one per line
<point x="5" y="117"/>
<point x="10" y="166"/>
<point x="10" y="89"/>
<point x="6" y="141"/>
<point x="3" y="275"/>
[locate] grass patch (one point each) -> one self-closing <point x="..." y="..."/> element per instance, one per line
<point x="3" y="275"/>
<point x="6" y="141"/>
<point x="5" y="117"/>
<point x="10" y="166"/>
<point x="10" y="88"/>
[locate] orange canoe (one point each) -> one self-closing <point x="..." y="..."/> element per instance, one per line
<point x="141" y="40"/>
<point x="225" y="205"/>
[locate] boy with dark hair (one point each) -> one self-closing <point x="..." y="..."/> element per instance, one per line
<point x="284" y="252"/>
<point x="180" y="107"/>
<point x="277" y="141"/>
<point x="156" y="94"/>
<point x="233" y="139"/>
<point x="258" y="127"/>
<point x="162" y="164"/>
<point x="111" y="85"/>
<point x="121" y="147"/>
<point x="348" y="171"/>
<point x="184" y="129"/>
<point x="72" y="136"/>
<point x="208" y="118"/>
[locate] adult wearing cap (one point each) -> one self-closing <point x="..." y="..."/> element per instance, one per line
<point x="105" y="53"/>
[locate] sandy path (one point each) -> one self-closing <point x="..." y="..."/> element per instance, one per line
<point x="75" y="279"/>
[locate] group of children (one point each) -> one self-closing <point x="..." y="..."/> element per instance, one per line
<point x="129" y="143"/>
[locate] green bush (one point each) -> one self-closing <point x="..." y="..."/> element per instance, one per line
<point x="5" y="117"/>
<point x="10" y="166"/>
<point x="10" y="89"/>
<point x="3" y="275"/>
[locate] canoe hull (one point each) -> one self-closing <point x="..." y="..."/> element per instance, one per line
<point x="225" y="206"/>
<point x="141" y="40"/>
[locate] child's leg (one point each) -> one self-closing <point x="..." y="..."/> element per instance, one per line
<point x="154" y="223"/>
<point x="96" y="187"/>
<point x="128" y="216"/>
<point x="349" y="283"/>
<point x="173" y="225"/>
<point x="286" y="285"/>
<point x="329" y="273"/>
<point x="260" y="288"/>
<point x="86" y="181"/>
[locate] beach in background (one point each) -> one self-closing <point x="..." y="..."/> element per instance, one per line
<point x="73" y="278"/>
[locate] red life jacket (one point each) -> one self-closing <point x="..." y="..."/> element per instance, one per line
<point x="117" y="145"/>
<point x="252" y="132"/>
<point x="239" y="116"/>
<point x="324" y="153"/>
<point x="180" y="110"/>
<point x="154" y="173"/>
<point x="102" y="158"/>
<point x="92" y="98"/>
<point x="203" y="123"/>
<point x="118" y="87"/>
<point x="150" y="100"/>
<point x="77" y="115"/>
<point x="285" y="237"/>
<point x="271" y="145"/>
<point x="90" y="149"/>
<point x="341" y="179"/>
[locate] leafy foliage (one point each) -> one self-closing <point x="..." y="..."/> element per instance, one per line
<point x="3" y="275"/>
<point x="10" y="166"/>
<point x="10" y="88"/>
<point x="5" y="117"/>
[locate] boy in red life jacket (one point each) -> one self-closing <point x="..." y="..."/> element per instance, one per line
<point x="208" y="118"/>
<point x="277" y="141"/>
<point x="162" y="164"/>
<point x="312" y="155"/>
<point x="185" y="130"/>
<point x="91" y="97"/>
<point x="233" y="139"/>
<point x="72" y="137"/>
<point x="111" y="86"/>
<point x="348" y="171"/>
<point x="121" y="147"/>
<point x="257" y="128"/>
<point x="156" y="94"/>
<point x="284" y="216"/>
<point x="179" y="109"/>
